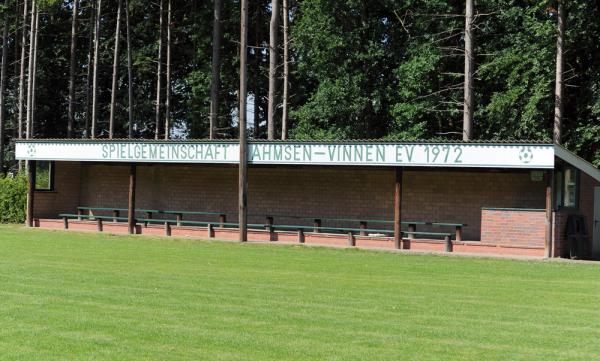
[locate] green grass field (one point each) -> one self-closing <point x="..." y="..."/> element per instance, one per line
<point x="101" y="297"/>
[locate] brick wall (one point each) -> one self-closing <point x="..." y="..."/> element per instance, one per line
<point x="337" y="192"/>
<point x="585" y="208"/>
<point x="512" y="227"/>
<point x="65" y="196"/>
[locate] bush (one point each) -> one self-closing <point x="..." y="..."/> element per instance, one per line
<point x="13" y="199"/>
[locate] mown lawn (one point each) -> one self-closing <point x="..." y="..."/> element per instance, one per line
<point x="101" y="297"/>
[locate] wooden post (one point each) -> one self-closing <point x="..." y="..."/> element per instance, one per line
<point x="179" y="218"/>
<point x="211" y="231"/>
<point x="317" y="226"/>
<point x="351" y="240"/>
<point x="167" y="229"/>
<point x="131" y="203"/>
<point x="300" y="235"/>
<point x="99" y="225"/>
<point x="222" y="220"/>
<point x="363" y="225"/>
<point x="31" y="169"/>
<point x="549" y="250"/>
<point x="115" y="215"/>
<point x="269" y="224"/>
<point x="459" y="233"/>
<point x="66" y="222"/>
<point x="398" y="209"/>
<point x="243" y="168"/>
<point x="448" y="241"/>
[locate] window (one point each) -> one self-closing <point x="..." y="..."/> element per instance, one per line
<point x="567" y="187"/>
<point x="44" y="176"/>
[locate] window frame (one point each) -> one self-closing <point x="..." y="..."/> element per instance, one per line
<point x="561" y="187"/>
<point x="51" y="176"/>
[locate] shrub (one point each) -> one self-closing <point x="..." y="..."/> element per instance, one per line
<point x="13" y="199"/>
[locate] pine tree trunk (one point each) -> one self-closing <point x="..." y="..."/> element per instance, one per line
<point x="115" y="75"/>
<point x="34" y="83"/>
<point x="2" y="89"/>
<point x="159" y="73"/>
<point x="560" y="63"/>
<point x="22" y="74"/>
<point x="89" y="76"/>
<point x="129" y="72"/>
<point x="257" y="61"/>
<point x="30" y="71"/>
<point x="95" y="76"/>
<point x="274" y="30"/>
<point x="468" y="87"/>
<point x="72" y="70"/>
<point x="168" y="75"/>
<point x="216" y="68"/>
<point x="21" y="105"/>
<point x="286" y="70"/>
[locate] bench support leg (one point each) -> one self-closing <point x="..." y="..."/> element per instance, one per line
<point x="222" y="220"/>
<point x="179" y="218"/>
<point x="317" y="226"/>
<point x="66" y="222"/>
<point x="458" y="233"/>
<point x="99" y="225"/>
<point x="115" y="216"/>
<point x="210" y="231"/>
<point x="363" y="225"/>
<point x="167" y="229"/>
<point x="448" y="241"/>
<point x="300" y="235"/>
<point x="351" y="240"/>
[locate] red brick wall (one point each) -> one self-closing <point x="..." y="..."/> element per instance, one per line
<point x="65" y="197"/>
<point x="511" y="227"/>
<point x="336" y="192"/>
<point x="585" y="208"/>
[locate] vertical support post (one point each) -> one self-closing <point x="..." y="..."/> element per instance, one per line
<point x="549" y="250"/>
<point x="167" y="228"/>
<point x="66" y="222"/>
<point x="300" y="235"/>
<point x="269" y="223"/>
<point x="131" y="203"/>
<point x="99" y="225"/>
<point x="222" y="220"/>
<point x="448" y="241"/>
<point x="351" y="240"/>
<point x="459" y="233"/>
<point x="398" y="209"/>
<point x="115" y="215"/>
<point x="363" y="225"/>
<point x="243" y="168"/>
<point x="317" y="226"/>
<point x="79" y="214"/>
<point x="210" y="231"/>
<point x="179" y="218"/>
<point x="31" y="172"/>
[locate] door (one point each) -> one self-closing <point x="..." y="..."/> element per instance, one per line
<point x="596" y="223"/>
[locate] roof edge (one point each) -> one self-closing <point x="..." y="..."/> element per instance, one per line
<point x="575" y="160"/>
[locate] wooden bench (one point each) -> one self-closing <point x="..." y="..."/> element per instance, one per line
<point x="115" y="211"/>
<point x="179" y="215"/>
<point x="363" y="224"/>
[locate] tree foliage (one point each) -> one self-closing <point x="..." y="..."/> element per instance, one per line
<point x="359" y="69"/>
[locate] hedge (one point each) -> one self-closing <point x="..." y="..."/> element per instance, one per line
<point x="13" y="199"/>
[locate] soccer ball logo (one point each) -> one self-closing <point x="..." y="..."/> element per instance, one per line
<point x="525" y="155"/>
<point x="31" y="150"/>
